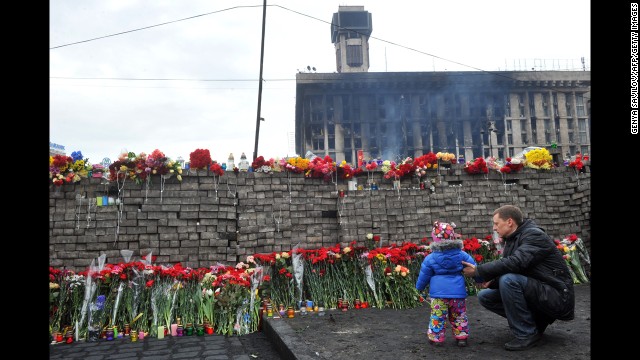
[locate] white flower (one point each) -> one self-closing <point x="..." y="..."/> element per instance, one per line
<point x="369" y="236"/>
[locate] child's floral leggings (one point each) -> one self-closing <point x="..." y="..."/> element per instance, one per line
<point x="452" y="310"/>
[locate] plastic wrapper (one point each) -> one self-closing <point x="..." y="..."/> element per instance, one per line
<point x="90" y="286"/>
<point x="298" y="270"/>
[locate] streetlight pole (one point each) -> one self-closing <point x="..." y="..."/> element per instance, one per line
<point x="258" y="118"/>
<point x="491" y="129"/>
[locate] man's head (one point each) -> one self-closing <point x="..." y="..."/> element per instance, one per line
<point x="506" y="220"/>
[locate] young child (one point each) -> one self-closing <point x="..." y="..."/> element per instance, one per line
<point x="442" y="271"/>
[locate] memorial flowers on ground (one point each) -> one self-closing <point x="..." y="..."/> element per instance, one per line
<point x="228" y="297"/>
<point x="576" y="255"/>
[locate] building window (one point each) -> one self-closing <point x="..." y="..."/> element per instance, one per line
<point x="532" y="106"/>
<point x="498" y="112"/>
<point x="507" y="106"/>
<point x="509" y="139"/>
<point x="354" y="55"/>
<point x="521" y="104"/>
<point x="318" y="144"/>
<point x="567" y="99"/>
<point x="547" y="131"/>
<point x="347" y="142"/>
<point x="582" y="130"/>
<point x="347" y="157"/>
<point x="580" y="105"/>
<point x="545" y="104"/>
<point x="346" y="107"/>
<point x="508" y="125"/>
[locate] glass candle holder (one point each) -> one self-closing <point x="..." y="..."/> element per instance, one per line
<point x="110" y="333"/>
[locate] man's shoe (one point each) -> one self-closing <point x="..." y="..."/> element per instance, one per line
<point x="462" y="342"/>
<point x="523" y="344"/>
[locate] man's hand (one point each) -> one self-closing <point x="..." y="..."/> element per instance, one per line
<point x="469" y="270"/>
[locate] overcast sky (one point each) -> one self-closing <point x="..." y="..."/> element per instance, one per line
<point x="178" y="75"/>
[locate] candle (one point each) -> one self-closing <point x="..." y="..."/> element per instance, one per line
<point x="161" y="332"/>
<point x="141" y="335"/>
<point x="174" y="328"/>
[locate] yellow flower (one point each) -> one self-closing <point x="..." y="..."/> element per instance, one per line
<point x="179" y="177"/>
<point x="346" y="250"/>
<point x="123" y="168"/>
<point x="53" y="285"/>
<point x="285" y="254"/>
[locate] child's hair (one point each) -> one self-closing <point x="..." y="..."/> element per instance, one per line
<point x="443" y="231"/>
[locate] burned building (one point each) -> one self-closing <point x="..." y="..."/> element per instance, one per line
<point x="392" y="115"/>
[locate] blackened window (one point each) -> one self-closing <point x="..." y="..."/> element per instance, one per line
<point x="354" y="55"/>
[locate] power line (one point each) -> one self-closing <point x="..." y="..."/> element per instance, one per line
<point x="253" y="6"/>
<point x="152" y="26"/>
<point x="160" y="79"/>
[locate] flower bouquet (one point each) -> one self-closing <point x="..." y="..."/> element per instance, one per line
<point x="478" y="166"/>
<point x="574" y="253"/>
<point x="297" y="165"/>
<point x="512" y="166"/>
<point x="200" y="159"/>
<point x="539" y="159"/>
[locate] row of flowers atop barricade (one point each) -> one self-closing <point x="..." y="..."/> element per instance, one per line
<point x="539" y="159"/>
<point x="144" y="297"/>
<point x="68" y="169"/>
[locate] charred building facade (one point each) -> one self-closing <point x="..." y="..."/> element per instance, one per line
<point x="392" y="115"/>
